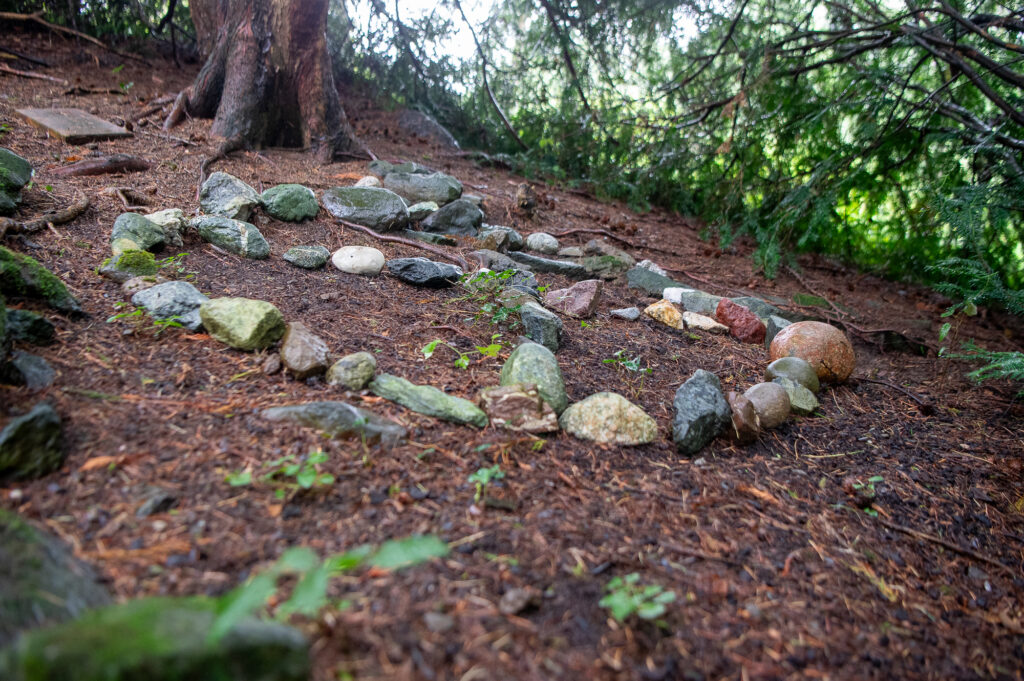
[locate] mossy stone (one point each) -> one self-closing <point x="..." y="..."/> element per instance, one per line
<point x="428" y="400"/>
<point x="136" y="263"/>
<point x="242" y="323"/>
<point x="290" y="202"/>
<point x="25" y="325"/>
<point x="132" y="232"/>
<point x="158" y="639"/>
<point x="15" y="173"/>
<point x="235" y="236"/>
<point x="23" y="276"/>
<point x="30" y="444"/>
<point x="534" y="363"/>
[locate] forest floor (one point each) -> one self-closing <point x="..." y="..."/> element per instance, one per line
<point x="777" y="573"/>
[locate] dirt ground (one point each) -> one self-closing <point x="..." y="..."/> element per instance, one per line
<point x="777" y="573"/>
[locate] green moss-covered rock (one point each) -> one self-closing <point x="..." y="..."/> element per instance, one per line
<point x="41" y="582"/>
<point x="427" y="399"/>
<point x="23" y="276"/>
<point x="534" y="363"/>
<point x="290" y="202"/>
<point x="235" y="236"/>
<point x="132" y="232"/>
<point x="15" y="173"/>
<point x="379" y="209"/>
<point x="157" y="639"/>
<point x="130" y="263"/>
<point x="27" y="326"/>
<point x="30" y="444"/>
<point x="242" y="323"/>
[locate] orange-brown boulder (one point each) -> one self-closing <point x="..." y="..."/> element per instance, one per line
<point x="743" y="324"/>
<point x="823" y="346"/>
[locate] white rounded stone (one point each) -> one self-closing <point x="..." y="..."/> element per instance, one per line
<point x="358" y="260"/>
<point x="368" y="181"/>
<point x="541" y="242"/>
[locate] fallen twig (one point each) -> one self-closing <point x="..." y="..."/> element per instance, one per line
<point x="949" y="545"/>
<point x="60" y="217"/>
<point x="117" y="163"/>
<point x="458" y="260"/>
<point x="25" y="57"/>
<point x="137" y="201"/>
<point x="906" y="392"/>
<point x="602" y="232"/>
<point x="29" y="74"/>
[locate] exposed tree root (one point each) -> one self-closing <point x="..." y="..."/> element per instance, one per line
<point x="407" y="242"/>
<point x="60" y="217"/>
<point x="117" y="163"/>
<point x="29" y="74"/>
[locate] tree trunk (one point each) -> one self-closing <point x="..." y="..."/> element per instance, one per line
<point x="267" y="79"/>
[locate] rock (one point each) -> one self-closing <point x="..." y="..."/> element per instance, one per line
<point x="701" y="412"/>
<point x="158" y="639"/>
<point x="132" y="232"/>
<point x="290" y="202"/>
<point x="15" y="173"/>
<point x="541" y="325"/>
<point x="307" y="257"/>
<point x="542" y="242"/>
<point x="4" y="337"/>
<point x="759" y="307"/>
<point x="801" y="400"/>
<point x="516" y="600"/>
<point x="382" y="168"/>
<point x="420" y="124"/>
<point x="475" y="199"/>
<point x="745" y="423"/>
<point x="773" y="324"/>
<point x="30" y="445"/>
<point x="41" y="582"/>
<point x="702" y="323"/>
<point x="600" y="247"/>
<point x="537" y="264"/>
<point x="630" y="314"/>
<point x="23" y="325"/>
<point x="155" y="500"/>
<point x="303" y="353"/>
<point x="358" y="260"/>
<point x="666" y="313"/>
<point x="423" y="272"/>
<point x="492" y="260"/>
<point x="136" y="284"/>
<point x="234" y="236"/>
<point x="340" y="419"/>
<point x="438" y="622"/>
<point x="515" y="239"/>
<point x="692" y="300"/>
<point x="609" y="418"/>
<point x="579" y="300"/>
<point x="652" y="267"/>
<point x="421" y="210"/>
<point x="492" y="240"/>
<point x="604" y="266"/>
<point x="177" y="300"/>
<point x="353" y="371"/>
<point x="796" y="370"/>
<point x="428" y="237"/>
<point x="526" y="199"/>
<point x="743" y="324"/>
<point x="31" y="371"/>
<point x="458" y="217"/>
<point x="771" y="402"/>
<point x="23" y="276"/>
<point x="534" y="363"/>
<point x="646" y="280"/>
<point x="570" y="252"/>
<point x="242" y="323"/>
<point x="416" y="187"/>
<point x="379" y="209"/>
<point x="227" y="196"/>
<point x="173" y="222"/>
<point x="129" y="264"/>
<point x="272" y="364"/>
<point x="823" y="346"/>
<point x="518" y="407"/>
<point x="426" y="399"/>
<point x="368" y="181"/>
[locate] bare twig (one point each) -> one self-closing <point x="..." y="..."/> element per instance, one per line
<point x="38" y="18"/>
<point x="602" y="232"/>
<point x="948" y="545"/>
<point x="29" y="74"/>
<point x="458" y="260"/>
<point x="60" y="217"/>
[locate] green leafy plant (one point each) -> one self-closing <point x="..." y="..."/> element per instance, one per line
<point x="288" y="474"/>
<point x="623" y="360"/>
<point x="176" y="264"/>
<point x="482" y="478"/>
<point x="489" y="293"/>
<point x="462" y="359"/>
<point x="137" y="317"/>
<point x="312" y="577"/>
<point x="626" y="596"/>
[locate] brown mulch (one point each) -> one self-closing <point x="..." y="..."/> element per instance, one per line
<point x="777" y="573"/>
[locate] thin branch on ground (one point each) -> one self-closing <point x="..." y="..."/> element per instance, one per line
<point x="458" y="260"/>
<point x="60" y="217"/>
<point x="29" y="74"/>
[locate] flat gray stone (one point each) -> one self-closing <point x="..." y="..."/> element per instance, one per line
<point x="651" y="282"/>
<point x="307" y="257"/>
<point x="340" y="419"/>
<point x="630" y="314"/>
<point x="225" y="195"/>
<point x="438" y="188"/>
<point x="538" y="264"/>
<point x="234" y="236"/>
<point x="460" y="217"/>
<point x="177" y="300"/>
<point x="424" y="272"/>
<point x="379" y="209"/>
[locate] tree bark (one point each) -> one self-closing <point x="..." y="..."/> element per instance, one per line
<point x="267" y="79"/>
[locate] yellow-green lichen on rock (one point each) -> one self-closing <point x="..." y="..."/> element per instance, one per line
<point x="242" y="323"/>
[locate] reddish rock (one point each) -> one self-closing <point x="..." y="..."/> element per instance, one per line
<point x="742" y="323"/>
<point x="579" y="300"/>
<point x="823" y="346"/>
<point x="746" y="425"/>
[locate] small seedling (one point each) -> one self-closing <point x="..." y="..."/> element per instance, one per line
<point x="864" y="492"/>
<point x="486" y="290"/>
<point x="483" y="477"/>
<point x="626" y="596"/>
<point x="158" y="326"/>
<point x="621" y="359"/>
<point x="288" y="474"/>
<point x="462" y="361"/>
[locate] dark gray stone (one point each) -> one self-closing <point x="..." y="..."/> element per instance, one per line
<point x="234" y="236"/>
<point x="498" y="262"/>
<point x="41" y="582"/>
<point x="29" y="327"/>
<point x="423" y="272"/>
<point x="307" y="257"/>
<point x="132" y="232"/>
<point x="428" y="237"/>
<point x="177" y="300"/>
<point x="225" y="195"/>
<point x="541" y="325"/>
<point x="290" y="202"/>
<point x="759" y="307"/>
<point x="416" y="188"/>
<point x="645" y="280"/>
<point x="379" y="209"/>
<point x="516" y="242"/>
<point x="773" y="324"/>
<point x="30" y="444"/>
<point x="538" y="264"/>
<point x="15" y="173"/>
<point x="31" y="371"/>
<point x="340" y="419"/>
<point x="459" y="217"/>
<point x="701" y="412"/>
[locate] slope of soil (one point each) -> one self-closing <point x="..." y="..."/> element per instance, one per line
<point x="777" y="574"/>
